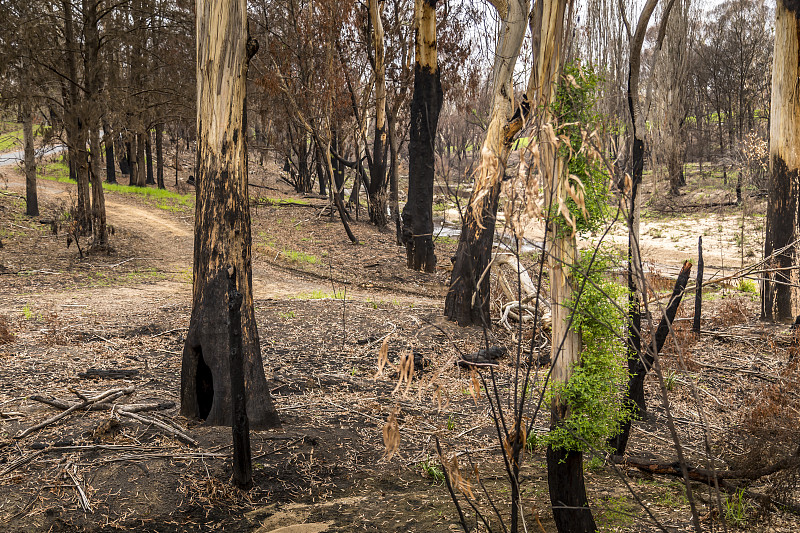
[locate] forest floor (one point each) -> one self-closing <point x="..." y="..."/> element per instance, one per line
<point x="324" y="308"/>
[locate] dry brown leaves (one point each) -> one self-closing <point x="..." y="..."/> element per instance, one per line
<point x="391" y="434"/>
<point x="406" y="371"/>
<point x="459" y="482"/>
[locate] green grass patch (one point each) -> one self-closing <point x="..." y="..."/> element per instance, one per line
<point x="162" y="198"/>
<point x="300" y="257"/>
<point x="320" y="295"/>
<point x="13" y="139"/>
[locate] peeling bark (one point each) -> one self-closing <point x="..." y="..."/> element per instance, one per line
<point x="222" y="226"/>
<point x="779" y="300"/>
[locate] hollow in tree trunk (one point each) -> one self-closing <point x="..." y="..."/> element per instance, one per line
<point x="222" y="225"/>
<point x="417" y="233"/>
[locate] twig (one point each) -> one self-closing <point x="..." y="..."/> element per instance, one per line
<point x="82" y="498"/>
<point x="64" y="414"/>
<point x="25" y="459"/>
<point x="161" y="425"/>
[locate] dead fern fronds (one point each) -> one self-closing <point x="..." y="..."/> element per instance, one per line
<point x="406" y="366"/>
<point x="459" y="482"/>
<point x="475" y="385"/>
<point x="383" y="357"/>
<point x="391" y="434"/>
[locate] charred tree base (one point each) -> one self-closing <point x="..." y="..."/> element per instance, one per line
<point x="205" y="373"/>
<point x="419" y="254"/>
<point x="568" y="493"/>
<point x="472" y="258"/>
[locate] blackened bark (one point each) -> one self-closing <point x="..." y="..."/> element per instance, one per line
<point x="222" y="236"/>
<point x="148" y="146"/>
<point x="108" y="140"/>
<point x="394" y="178"/>
<point x="567" y="491"/>
<point x="31" y="198"/>
<point x="377" y="179"/>
<point x="160" y="155"/>
<point x="782" y="215"/>
<point x="417" y="232"/>
<point x="698" y="295"/>
<point x="98" y="198"/>
<point x="321" y="177"/>
<point x="634" y="395"/>
<point x="242" y="462"/>
<point x="472" y="257"/>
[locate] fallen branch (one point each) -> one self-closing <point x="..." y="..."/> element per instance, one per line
<point x="105" y="406"/>
<point x="180" y="435"/>
<point x="25" y="459"/>
<point x="81" y="493"/>
<point x="81" y="405"/>
<point x="705" y="475"/>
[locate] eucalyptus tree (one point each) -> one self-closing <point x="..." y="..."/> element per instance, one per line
<point x="222" y="225"/>
<point x="779" y="297"/>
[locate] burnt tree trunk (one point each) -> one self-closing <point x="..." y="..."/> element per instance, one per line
<point x="148" y="148"/>
<point x="779" y="299"/>
<point x="634" y="395"/>
<point x="108" y="140"/>
<point x="477" y="229"/>
<point x="222" y="226"/>
<point x="698" y="295"/>
<point x="31" y="198"/>
<point x="160" y="155"/>
<point x="417" y="232"/>
<point x="565" y="479"/>
<point x="377" y="172"/>
<point x="242" y="460"/>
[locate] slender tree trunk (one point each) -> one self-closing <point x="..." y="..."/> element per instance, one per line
<point x="31" y="197"/>
<point x="92" y="83"/>
<point x="477" y="230"/>
<point x="394" y="178"/>
<point x="222" y="225"/>
<point x="111" y="174"/>
<point x="160" y="155"/>
<point x="564" y="466"/>
<point x="148" y="146"/>
<point x="377" y="172"/>
<point x="417" y="232"/>
<point x="779" y="300"/>
<point x="98" y="198"/>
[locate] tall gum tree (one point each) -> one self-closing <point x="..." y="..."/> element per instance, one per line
<point x="222" y="225"/>
<point x="378" y="183"/>
<point x="779" y="299"/>
<point x="564" y="467"/>
<point x="467" y="299"/>
<point x="417" y="233"/>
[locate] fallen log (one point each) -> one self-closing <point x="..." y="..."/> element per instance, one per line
<point x="110" y="373"/>
<point x="706" y="475"/>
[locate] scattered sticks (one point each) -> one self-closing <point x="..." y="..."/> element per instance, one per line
<point x="86" y="403"/>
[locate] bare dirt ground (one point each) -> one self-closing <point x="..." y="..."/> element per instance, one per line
<point x="324" y="307"/>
